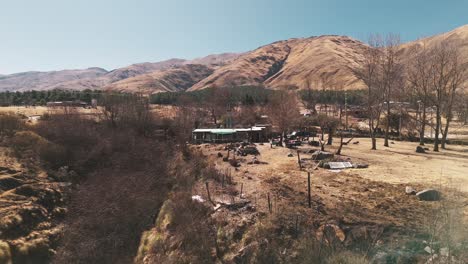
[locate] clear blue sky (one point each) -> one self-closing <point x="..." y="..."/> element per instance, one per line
<point x="67" y="34"/>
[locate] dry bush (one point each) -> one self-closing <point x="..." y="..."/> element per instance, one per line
<point x="124" y="180"/>
<point x="27" y="141"/>
<point x="111" y="209"/>
<point x="9" y="123"/>
<point x="189" y="233"/>
<point x="29" y="145"/>
<point x="446" y="229"/>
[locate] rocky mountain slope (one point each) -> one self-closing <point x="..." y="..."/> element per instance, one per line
<point x="46" y="80"/>
<point x="97" y="78"/>
<point x="168" y="80"/>
<point x="288" y="64"/>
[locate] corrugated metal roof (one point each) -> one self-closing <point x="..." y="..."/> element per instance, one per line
<point x="226" y="130"/>
<point x="340" y="165"/>
<point x="215" y="130"/>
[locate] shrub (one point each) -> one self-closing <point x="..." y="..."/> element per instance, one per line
<point x="26" y="141"/>
<point x="54" y="155"/>
<point x="9" y="123"/>
<point x="27" y="144"/>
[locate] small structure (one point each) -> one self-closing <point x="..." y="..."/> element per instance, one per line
<point x="339" y="165"/>
<point x="224" y="135"/>
<point x="76" y="103"/>
<point x="94" y="103"/>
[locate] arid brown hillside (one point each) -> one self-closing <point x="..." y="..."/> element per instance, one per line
<point x="46" y="80"/>
<point x="319" y="62"/>
<point x="169" y="80"/>
<point x="215" y="60"/>
<point x="117" y="75"/>
<point x="97" y="78"/>
<point x="458" y="36"/>
<point x="288" y="64"/>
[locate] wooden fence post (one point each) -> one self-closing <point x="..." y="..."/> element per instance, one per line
<point x="299" y="160"/>
<point x="208" y="192"/>
<point x="308" y="189"/>
<point x="269" y="203"/>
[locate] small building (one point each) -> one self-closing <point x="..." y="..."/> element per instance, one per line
<point x="224" y="135"/>
<point x="76" y="103"/>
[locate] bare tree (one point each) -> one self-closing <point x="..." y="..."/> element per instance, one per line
<point x="461" y="107"/>
<point x="458" y="75"/>
<point x="368" y="72"/>
<point x="391" y="75"/>
<point x="284" y="111"/>
<point x="419" y="78"/>
<point x="447" y="75"/>
<point x="218" y="104"/>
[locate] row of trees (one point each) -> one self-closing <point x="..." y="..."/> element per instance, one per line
<point x="432" y="77"/>
<point x="42" y="97"/>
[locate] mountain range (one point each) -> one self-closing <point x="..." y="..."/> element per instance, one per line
<point x="288" y="64"/>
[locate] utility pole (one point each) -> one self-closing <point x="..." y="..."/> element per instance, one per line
<point x="346" y="109"/>
<point x="432" y="120"/>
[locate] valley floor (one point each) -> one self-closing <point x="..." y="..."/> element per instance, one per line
<point x="359" y="201"/>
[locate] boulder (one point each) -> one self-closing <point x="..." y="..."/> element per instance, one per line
<point x="321" y="155"/>
<point x="420" y="149"/>
<point x="234" y="163"/>
<point x="360" y="166"/>
<point x="249" y="150"/>
<point x="429" y="195"/>
<point x="314" y="143"/>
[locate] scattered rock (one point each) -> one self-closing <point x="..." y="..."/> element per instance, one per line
<point x="321" y="155"/>
<point x="314" y="143"/>
<point x="356" y="142"/>
<point x="420" y="149"/>
<point x="410" y="190"/>
<point x="255" y="161"/>
<point x="234" y="163"/>
<point x="433" y="259"/>
<point x="220" y="155"/>
<point x="428" y="250"/>
<point x="249" y="150"/>
<point x="290" y="154"/>
<point x="444" y="252"/>
<point x="360" y="166"/>
<point x="237" y="205"/>
<point x="198" y="198"/>
<point x="429" y="195"/>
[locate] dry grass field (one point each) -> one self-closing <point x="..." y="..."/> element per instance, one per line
<point x="355" y="199"/>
